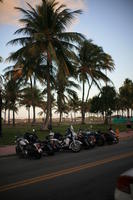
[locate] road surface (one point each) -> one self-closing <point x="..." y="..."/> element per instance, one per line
<point x="87" y="175"/>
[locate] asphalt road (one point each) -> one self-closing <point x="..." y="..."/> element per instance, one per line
<point x="87" y="175"/>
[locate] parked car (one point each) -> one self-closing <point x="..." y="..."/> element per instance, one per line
<point x="124" y="186"/>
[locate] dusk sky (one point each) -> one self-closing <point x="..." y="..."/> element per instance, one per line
<point x="109" y="23"/>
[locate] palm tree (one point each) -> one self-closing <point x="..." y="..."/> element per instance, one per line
<point x="11" y="96"/>
<point x="65" y="93"/>
<point x="31" y="97"/>
<point x="74" y="105"/>
<point x="45" y="29"/>
<point x="92" y="62"/>
<point x="126" y="95"/>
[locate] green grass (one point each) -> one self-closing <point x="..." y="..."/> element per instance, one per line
<point x="9" y="132"/>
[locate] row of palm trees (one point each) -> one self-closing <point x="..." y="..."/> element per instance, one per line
<point x="106" y="103"/>
<point x="54" y="58"/>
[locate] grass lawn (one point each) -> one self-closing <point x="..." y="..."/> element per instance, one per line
<point x="9" y="132"/>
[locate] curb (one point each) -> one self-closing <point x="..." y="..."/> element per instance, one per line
<point x="7" y="155"/>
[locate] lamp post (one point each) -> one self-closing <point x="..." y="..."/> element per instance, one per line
<point x="0" y="111"/>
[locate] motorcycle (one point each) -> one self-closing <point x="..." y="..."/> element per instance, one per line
<point x="88" y="140"/>
<point x="99" y="138"/>
<point x="110" y="137"/>
<point x="27" y="146"/>
<point x="70" y="141"/>
<point x="47" y="148"/>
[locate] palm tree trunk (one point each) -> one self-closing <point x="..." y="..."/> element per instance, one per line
<point x="60" y="118"/>
<point x="82" y="106"/>
<point x="46" y="123"/>
<point x="34" y="114"/>
<point x="50" y="111"/>
<point x="8" y="116"/>
<point x="127" y="112"/>
<point x="5" y="117"/>
<point x="13" y="122"/>
<point x="74" y="116"/>
<point x="122" y="112"/>
<point x="34" y="107"/>
<point x="90" y="85"/>
<point x="29" y="114"/>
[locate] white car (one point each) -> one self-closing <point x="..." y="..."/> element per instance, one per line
<point x="124" y="187"/>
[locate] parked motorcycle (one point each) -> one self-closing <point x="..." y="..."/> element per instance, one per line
<point x="69" y="141"/>
<point x="99" y="138"/>
<point x="88" y="140"/>
<point x="47" y="148"/>
<point x="110" y="137"/>
<point x="28" y="146"/>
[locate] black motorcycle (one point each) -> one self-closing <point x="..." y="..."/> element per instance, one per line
<point x="47" y="148"/>
<point x="88" y="140"/>
<point x="111" y="138"/>
<point x="28" y="146"/>
<point x="99" y="138"/>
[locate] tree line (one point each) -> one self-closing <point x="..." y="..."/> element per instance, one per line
<point x="109" y="102"/>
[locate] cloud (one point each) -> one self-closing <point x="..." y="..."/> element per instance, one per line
<point x="74" y="4"/>
<point x="10" y="16"/>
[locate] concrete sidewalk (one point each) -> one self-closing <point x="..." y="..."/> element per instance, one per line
<point x="9" y="150"/>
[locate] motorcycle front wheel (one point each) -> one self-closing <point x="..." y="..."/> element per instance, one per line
<point x="76" y="146"/>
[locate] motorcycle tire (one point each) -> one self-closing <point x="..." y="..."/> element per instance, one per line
<point x="76" y="147"/>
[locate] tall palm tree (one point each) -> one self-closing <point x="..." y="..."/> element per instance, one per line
<point x="28" y="69"/>
<point x="92" y="61"/>
<point x="45" y="29"/>
<point x="74" y="105"/>
<point x="31" y="97"/>
<point x="11" y="95"/>
<point x="126" y="95"/>
<point x="65" y="93"/>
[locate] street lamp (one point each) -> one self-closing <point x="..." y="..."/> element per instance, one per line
<point x="0" y="110"/>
